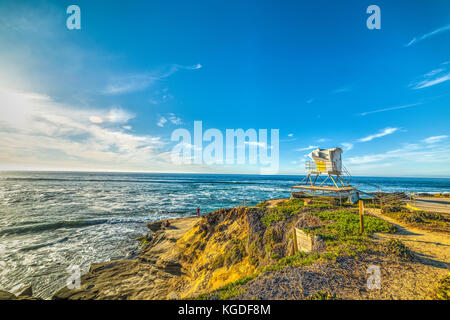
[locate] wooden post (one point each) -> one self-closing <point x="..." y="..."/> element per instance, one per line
<point x="361" y="214"/>
<point x="294" y="239"/>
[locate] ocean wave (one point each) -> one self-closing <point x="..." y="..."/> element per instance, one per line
<point x="43" y="245"/>
<point x="37" y="228"/>
<point x="42" y="227"/>
<point x="174" y="181"/>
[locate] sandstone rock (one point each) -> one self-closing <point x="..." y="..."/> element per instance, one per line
<point x="5" y="295"/>
<point x="27" y="291"/>
<point x="155" y="225"/>
<point x="166" y="223"/>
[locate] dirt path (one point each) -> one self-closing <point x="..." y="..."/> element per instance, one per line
<point x="432" y="248"/>
<point x="417" y="279"/>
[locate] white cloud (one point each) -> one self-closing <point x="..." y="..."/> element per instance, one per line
<point x="427" y="35"/>
<point x="343" y="89"/>
<point x="434" y="72"/>
<point x="118" y="115"/>
<point x="347" y="146"/>
<point x="406" y="156"/>
<point x="307" y="148"/>
<point x="435" y="139"/>
<point x="161" y="122"/>
<point x="431" y="82"/>
<point x="290" y="135"/>
<point x="391" y="108"/>
<point x="128" y="84"/>
<point x="382" y="133"/>
<point x="95" y="119"/>
<point x="37" y="131"/>
<point x="139" y="82"/>
<point x="114" y="115"/>
<point x="197" y="66"/>
<point x="432" y="78"/>
<point x="174" y="119"/>
<point x="171" y="117"/>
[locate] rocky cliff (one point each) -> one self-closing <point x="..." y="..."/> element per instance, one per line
<point x="191" y="256"/>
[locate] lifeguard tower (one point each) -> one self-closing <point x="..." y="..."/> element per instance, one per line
<point x="326" y="177"/>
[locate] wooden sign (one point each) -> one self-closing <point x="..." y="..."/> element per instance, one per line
<point x="303" y="241"/>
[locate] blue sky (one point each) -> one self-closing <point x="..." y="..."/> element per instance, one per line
<point x="107" y="97"/>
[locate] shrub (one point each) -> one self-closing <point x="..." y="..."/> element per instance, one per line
<point x="397" y="248"/>
<point x="271" y="215"/>
<point x="387" y="209"/>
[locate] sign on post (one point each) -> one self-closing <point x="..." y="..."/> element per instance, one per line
<point x="306" y="242"/>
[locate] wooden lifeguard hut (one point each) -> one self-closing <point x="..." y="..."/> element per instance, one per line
<point x="326" y="177"/>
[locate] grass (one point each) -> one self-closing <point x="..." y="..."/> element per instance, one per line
<point x="300" y="259"/>
<point x="228" y="291"/>
<point x="282" y="211"/>
<point x="272" y="215"/>
<point x="345" y="224"/>
<point x="419" y="219"/>
<point x="322" y="295"/>
<point x="290" y="207"/>
<point x="341" y="234"/>
<point x="262" y="205"/>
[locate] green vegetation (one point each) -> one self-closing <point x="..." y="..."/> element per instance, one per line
<point x="272" y="215"/>
<point x="282" y="211"/>
<point x="229" y="291"/>
<point x="143" y="240"/>
<point x="345" y="224"/>
<point x="340" y="233"/>
<point x="300" y="259"/>
<point x="235" y="253"/>
<point x="290" y="207"/>
<point x="397" y="248"/>
<point x="262" y="205"/>
<point x="419" y="219"/>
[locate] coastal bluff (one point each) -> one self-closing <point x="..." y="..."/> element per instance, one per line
<point x="191" y="256"/>
<point x="255" y="252"/>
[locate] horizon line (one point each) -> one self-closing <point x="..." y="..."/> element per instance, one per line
<point x="205" y="173"/>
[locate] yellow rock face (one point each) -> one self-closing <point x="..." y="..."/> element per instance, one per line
<point x="215" y="257"/>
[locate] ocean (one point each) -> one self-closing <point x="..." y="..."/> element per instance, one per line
<point x="50" y="221"/>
